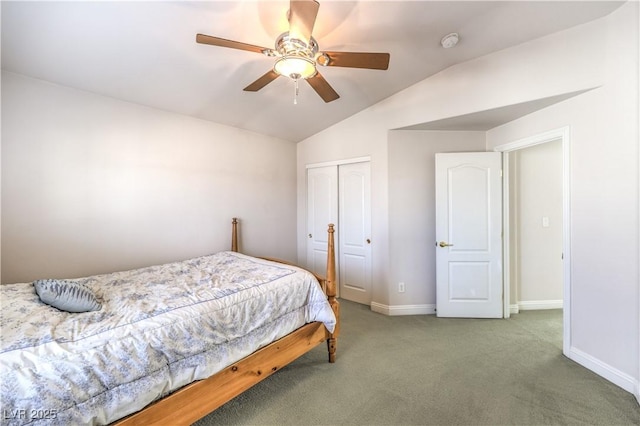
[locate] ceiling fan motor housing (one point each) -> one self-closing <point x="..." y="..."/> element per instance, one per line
<point x="289" y="46"/>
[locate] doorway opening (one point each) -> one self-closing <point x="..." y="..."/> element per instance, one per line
<point x="509" y="150"/>
<point x="535" y="227"/>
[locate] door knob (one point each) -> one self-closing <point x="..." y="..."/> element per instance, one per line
<point x="310" y="236"/>
<point x="368" y="241"/>
<point x="443" y="244"/>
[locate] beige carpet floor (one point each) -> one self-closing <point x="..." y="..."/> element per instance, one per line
<point x="423" y="370"/>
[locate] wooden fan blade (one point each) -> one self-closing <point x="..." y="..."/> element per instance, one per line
<point x="374" y="61"/>
<point x="222" y="42"/>
<point x="262" y="81"/>
<point x="323" y="88"/>
<point x="302" y="17"/>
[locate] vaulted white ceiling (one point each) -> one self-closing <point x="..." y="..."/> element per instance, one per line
<point x="145" y="52"/>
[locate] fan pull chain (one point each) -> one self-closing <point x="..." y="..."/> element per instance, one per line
<point x="295" y="96"/>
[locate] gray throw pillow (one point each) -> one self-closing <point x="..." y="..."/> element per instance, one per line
<point x="66" y="295"/>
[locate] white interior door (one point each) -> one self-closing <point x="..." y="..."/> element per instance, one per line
<point x="469" y="235"/>
<point x="322" y="209"/>
<point x="355" y="232"/>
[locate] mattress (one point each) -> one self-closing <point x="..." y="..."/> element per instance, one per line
<point x="159" y="328"/>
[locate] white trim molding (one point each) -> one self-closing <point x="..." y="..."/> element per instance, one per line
<point x="614" y="375"/>
<point x="339" y="162"/>
<point x="507" y="309"/>
<point x="551" y="135"/>
<point x="535" y="305"/>
<point x="398" y="310"/>
<point x="637" y="389"/>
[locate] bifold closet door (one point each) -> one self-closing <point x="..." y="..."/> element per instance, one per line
<point x="341" y="194"/>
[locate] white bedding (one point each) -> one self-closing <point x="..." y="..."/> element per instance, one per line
<point x="159" y="329"/>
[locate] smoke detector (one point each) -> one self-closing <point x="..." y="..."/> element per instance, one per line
<point x="450" y="40"/>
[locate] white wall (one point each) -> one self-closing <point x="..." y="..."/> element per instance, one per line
<point x="605" y="184"/>
<point x="604" y="203"/>
<point x="508" y="77"/>
<point x="91" y="184"/>
<point x="538" y="195"/>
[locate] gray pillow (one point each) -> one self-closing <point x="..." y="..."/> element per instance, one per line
<point x="66" y="295"/>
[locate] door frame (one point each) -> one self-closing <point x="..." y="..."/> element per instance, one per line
<point x="564" y="135"/>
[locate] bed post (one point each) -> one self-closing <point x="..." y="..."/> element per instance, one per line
<point x="331" y="293"/>
<point x="234" y="234"/>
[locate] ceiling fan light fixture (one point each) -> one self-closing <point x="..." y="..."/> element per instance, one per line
<point x="295" y="67"/>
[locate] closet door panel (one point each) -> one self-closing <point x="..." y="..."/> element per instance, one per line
<point x="322" y="209"/>
<point x="355" y="231"/>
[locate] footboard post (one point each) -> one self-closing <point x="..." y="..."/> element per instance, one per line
<point x="332" y="292"/>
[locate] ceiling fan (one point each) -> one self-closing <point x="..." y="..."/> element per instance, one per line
<point x="297" y="53"/>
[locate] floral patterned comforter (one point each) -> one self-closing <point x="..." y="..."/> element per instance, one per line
<point x="159" y="328"/>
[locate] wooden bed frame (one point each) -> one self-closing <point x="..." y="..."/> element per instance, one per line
<point x="196" y="400"/>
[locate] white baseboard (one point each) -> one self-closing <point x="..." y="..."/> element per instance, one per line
<point x="394" y="310"/>
<point x="534" y="305"/>
<point x="403" y="309"/>
<point x="614" y="375"/>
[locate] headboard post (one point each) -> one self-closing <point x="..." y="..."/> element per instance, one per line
<point x="234" y="234"/>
